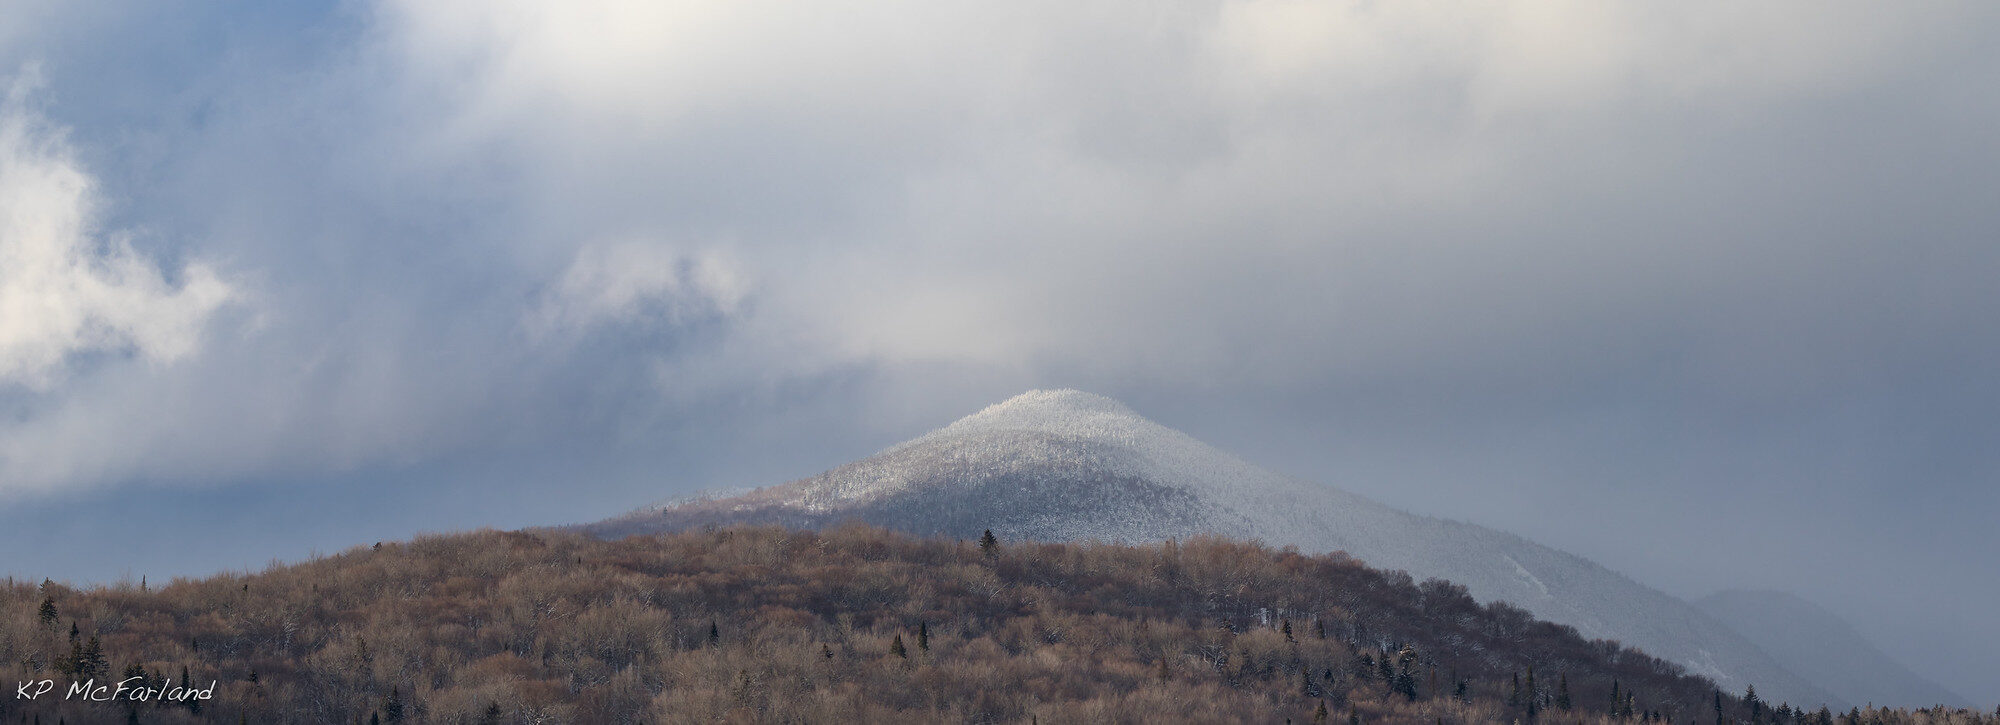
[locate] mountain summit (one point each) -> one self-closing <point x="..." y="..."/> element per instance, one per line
<point x="1063" y="465"/>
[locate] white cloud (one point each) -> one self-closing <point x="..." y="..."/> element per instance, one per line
<point x="638" y="281"/>
<point x="67" y="288"/>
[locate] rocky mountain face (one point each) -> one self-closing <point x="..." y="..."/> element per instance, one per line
<point x="1062" y="465"/>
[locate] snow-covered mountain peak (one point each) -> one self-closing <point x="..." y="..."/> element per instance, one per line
<point x="1108" y="436"/>
<point x="1064" y="412"/>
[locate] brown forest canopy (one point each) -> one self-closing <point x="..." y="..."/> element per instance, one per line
<point x="847" y="625"/>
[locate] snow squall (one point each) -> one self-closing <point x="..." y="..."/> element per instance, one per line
<point x="1070" y="465"/>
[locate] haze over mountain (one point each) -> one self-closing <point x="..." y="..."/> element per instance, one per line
<point x="1820" y="646"/>
<point x="1068" y="465"/>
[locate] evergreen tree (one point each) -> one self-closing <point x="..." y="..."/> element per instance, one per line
<point x="193" y="704"/>
<point x="66" y="664"/>
<point x="714" y="633"/>
<point x="47" y="613"/>
<point x="1320" y="715"/>
<point x="1319" y="628"/>
<point x="1718" y="707"/>
<point x="988" y="545"/>
<point x="896" y="648"/>
<point x="1562" y="693"/>
<point x="1405" y="683"/>
<point x="1353" y="716"/>
<point x="393" y="706"/>
<point x="1617" y="698"/>
<point x="924" y="636"/>
<point x="1534" y="706"/>
<point x="1514" y="692"/>
<point x="1755" y="706"/>
<point x="92" y="662"/>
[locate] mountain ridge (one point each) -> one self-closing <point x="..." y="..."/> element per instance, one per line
<point x="1070" y="465"/>
<point x="1819" y="645"/>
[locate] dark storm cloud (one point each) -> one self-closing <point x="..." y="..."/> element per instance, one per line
<point x="1699" y="290"/>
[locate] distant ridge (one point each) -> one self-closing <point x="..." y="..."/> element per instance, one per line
<point x="1820" y="646"/>
<point x="1061" y="465"/>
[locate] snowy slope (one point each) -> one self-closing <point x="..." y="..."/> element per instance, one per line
<point x="1820" y="646"/>
<point x="1068" y="465"/>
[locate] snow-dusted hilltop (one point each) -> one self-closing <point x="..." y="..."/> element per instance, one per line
<point x="1068" y="465"/>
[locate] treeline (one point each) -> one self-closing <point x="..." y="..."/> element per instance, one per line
<point x="852" y="624"/>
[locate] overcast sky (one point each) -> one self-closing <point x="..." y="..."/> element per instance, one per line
<point x="1703" y="291"/>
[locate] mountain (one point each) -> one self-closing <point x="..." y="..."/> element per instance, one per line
<point x="1820" y="646"/>
<point x="1062" y="465"/>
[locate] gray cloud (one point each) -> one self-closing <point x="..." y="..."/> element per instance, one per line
<point x="1697" y="289"/>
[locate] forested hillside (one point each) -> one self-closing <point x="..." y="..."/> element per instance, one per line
<point x="853" y="624"/>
